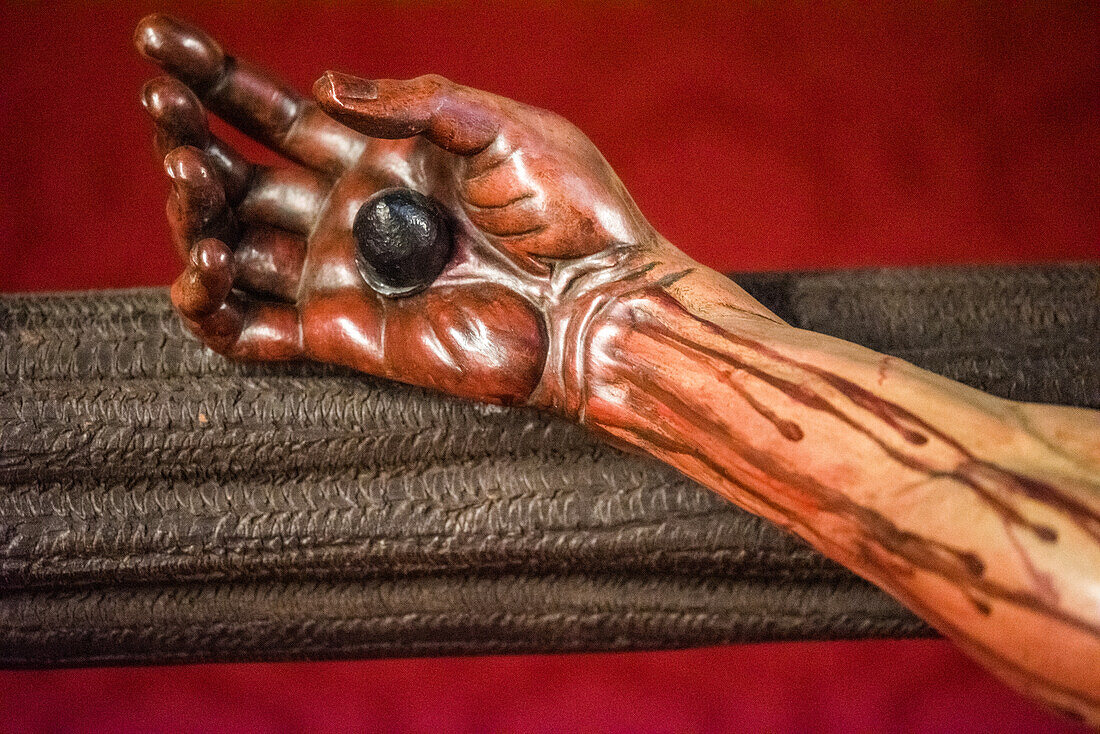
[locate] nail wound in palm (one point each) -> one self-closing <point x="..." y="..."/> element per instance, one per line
<point x="271" y="267"/>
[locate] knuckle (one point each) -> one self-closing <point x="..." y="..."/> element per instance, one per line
<point x="432" y="83"/>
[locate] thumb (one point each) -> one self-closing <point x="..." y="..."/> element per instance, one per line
<point x="461" y="120"/>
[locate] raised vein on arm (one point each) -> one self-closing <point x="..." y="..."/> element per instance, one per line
<point x="967" y="507"/>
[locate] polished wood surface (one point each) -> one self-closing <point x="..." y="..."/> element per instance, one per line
<point x="981" y="514"/>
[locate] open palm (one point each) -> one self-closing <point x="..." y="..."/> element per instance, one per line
<point x="541" y="221"/>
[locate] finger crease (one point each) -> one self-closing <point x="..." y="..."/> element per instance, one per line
<point x="490" y="207"/>
<point x="493" y="166"/>
<point x="525" y="233"/>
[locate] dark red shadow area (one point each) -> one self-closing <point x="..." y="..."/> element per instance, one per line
<point x="759" y="137"/>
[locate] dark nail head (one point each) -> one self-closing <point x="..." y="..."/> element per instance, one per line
<point x="403" y="241"/>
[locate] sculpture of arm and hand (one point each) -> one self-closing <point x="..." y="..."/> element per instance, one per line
<point x="981" y="514"/>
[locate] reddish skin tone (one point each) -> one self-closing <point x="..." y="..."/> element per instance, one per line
<point x="981" y="514"/>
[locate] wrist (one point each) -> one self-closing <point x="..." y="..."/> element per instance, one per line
<point x="581" y="294"/>
<point x="603" y="296"/>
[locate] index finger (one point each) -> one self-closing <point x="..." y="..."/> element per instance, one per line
<point x="252" y="100"/>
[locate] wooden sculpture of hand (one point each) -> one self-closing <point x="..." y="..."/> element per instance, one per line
<point x="981" y="514"/>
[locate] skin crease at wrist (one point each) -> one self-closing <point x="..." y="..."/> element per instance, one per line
<point x="982" y="515"/>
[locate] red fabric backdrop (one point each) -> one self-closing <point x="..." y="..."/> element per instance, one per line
<point x="756" y="137"/>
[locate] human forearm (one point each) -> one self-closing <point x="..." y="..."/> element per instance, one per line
<point x="981" y="514"/>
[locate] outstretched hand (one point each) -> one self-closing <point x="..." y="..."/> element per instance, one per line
<point x="982" y="515"/>
<point x="542" y="225"/>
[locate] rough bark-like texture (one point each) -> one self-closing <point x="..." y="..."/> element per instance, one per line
<point x="158" y="503"/>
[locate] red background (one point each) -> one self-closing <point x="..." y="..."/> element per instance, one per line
<point x="758" y="137"/>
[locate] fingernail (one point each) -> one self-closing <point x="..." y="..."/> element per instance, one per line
<point x="147" y="36"/>
<point x="173" y="166"/>
<point x="184" y="163"/>
<point x="346" y="88"/>
<point x="149" y="96"/>
<point x="193" y="56"/>
<point x="153" y="96"/>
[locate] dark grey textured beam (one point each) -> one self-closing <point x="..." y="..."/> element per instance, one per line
<point x="158" y="503"/>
